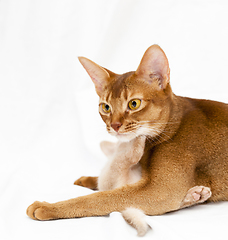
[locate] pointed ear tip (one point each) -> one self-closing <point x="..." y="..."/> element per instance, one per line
<point x="84" y="61"/>
<point x="155" y="47"/>
<point x="80" y="58"/>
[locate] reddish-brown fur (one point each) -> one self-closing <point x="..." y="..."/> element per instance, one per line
<point x="189" y="149"/>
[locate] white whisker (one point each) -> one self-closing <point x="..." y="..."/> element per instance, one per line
<point x="154" y="131"/>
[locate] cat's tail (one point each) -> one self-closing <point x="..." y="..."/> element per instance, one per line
<point x="136" y="218"/>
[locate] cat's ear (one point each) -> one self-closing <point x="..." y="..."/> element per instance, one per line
<point x="154" y="66"/>
<point x="98" y="74"/>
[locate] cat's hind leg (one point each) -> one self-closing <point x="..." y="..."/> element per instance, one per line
<point x="195" y="195"/>
<point x="136" y="217"/>
<point x="88" y="182"/>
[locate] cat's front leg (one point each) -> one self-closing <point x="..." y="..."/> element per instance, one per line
<point x="88" y="182"/>
<point x="150" y="201"/>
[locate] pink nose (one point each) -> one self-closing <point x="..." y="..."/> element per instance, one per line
<point x="116" y="126"/>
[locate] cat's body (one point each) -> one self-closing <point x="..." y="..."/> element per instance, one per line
<point x="186" y="145"/>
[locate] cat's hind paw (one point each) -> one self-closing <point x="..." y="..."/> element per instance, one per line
<point x="195" y="195"/>
<point x="88" y="182"/>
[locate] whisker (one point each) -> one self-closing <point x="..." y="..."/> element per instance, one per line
<point x="165" y="134"/>
<point x="161" y="123"/>
<point x="151" y="140"/>
<point x="157" y="134"/>
<point x="130" y="131"/>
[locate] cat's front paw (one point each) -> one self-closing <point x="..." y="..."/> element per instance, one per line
<point x="195" y="195"/>
<point x="41" y="211"/>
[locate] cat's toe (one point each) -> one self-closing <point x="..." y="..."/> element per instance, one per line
<point x="40" y="211"/>
<point x="205" y="193"/>
<point x="197" y="194"/>
<point x="80" y="182"/>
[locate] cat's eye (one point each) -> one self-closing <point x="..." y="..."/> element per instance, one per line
<point x="105" y="107"/>
<point x="134" y="104"/>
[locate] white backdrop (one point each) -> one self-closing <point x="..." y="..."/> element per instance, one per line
<point x="50" y="128"/>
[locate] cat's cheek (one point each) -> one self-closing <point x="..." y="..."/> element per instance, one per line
<point x="104" y="118"/>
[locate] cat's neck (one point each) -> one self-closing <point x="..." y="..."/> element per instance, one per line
<point x="177" y="111"/>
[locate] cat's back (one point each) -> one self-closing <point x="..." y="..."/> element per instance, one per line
<point x="203" y="128"/>
<point x="211" y="113"/>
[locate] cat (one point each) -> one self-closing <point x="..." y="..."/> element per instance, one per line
<point x="184" y="160"/>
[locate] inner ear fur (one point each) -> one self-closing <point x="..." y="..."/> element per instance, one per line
<point x="99" y="75"/>
<point x="154" y="66"/>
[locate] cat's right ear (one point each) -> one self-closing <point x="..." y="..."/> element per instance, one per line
<point x="99" y="75"/>
<point x="154" y="66"/>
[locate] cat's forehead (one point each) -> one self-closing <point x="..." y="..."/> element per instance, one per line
<point x="123" y="87"/>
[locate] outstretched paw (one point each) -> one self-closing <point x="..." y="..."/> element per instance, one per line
<point x="195" y="195"/>
<point x="41" y="211"/>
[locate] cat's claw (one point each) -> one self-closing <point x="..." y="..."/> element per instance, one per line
<point x="195" y="195"/>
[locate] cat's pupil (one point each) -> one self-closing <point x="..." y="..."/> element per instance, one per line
<point x="134" y="104"/>
<point x="106" y="107"/>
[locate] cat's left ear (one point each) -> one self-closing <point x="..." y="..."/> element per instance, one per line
<point x="154" y="66"/>
<point x="99" y="75"/>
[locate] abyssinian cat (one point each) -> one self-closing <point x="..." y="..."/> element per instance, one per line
<point x="172" y="151"/>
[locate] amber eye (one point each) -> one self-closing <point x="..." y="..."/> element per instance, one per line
<point x="105" y="108"/>
<point x="134" y="104"/>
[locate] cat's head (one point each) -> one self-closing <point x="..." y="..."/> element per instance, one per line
<point x="135" y="103"/>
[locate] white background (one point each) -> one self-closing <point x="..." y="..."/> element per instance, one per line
<point x="50" y="128"/>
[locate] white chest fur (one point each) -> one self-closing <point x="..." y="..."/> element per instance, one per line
<point x="123" y="166"/>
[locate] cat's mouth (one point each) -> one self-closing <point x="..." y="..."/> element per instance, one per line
<point x="140" y="130"/>
<point x="123" y="136"/>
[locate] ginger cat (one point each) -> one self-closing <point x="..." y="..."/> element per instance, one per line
<point x="172" y="151"/>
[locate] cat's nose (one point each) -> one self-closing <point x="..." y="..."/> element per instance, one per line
<point x="116" y="126"/>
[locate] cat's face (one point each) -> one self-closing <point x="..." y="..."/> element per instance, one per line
<point x="135" y="103"/>
<point x="131" y="107"/>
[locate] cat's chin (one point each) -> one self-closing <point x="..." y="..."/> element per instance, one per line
<point x="125" y="137"/>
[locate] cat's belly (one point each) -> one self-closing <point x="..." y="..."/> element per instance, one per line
<point x="111" y="178"/>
